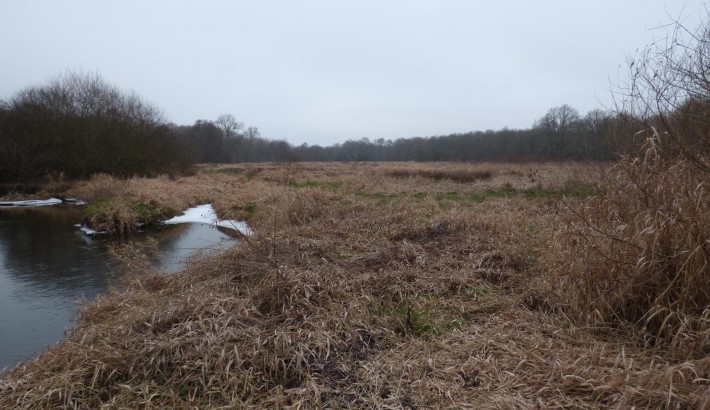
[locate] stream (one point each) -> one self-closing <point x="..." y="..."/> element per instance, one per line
<point x="47" y="265"/>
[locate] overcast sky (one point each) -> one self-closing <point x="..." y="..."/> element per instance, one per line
<point x="326" y="71"/>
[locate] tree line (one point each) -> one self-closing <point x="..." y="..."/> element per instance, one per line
<point x="561" y="134"/>
<point x="228" y="140"/>
<point x="79" y="125"/>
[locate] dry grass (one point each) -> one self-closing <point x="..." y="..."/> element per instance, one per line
<point x="458" y="175"/>
<point x="359" y="290"/>
<point x="640" y="253"/>
<point x="121" y="207"/>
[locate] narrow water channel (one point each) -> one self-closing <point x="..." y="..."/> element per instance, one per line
<point x="47" y="266"/>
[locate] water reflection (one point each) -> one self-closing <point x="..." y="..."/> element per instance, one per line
<point x="178" y="243"/>
<point x="47" y="265"/>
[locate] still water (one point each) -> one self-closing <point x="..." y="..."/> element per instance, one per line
<point x="47" y="266"/>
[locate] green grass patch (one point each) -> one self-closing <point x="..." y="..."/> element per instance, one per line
<point x="460" y="176"/>
<point x="457" y="323"/>
<point x="244" y="212"/>
<point x="305" y="184"/>
<point x="334" y="185"/>
<point x="449" y="196"/>
<point x="144" y="212"/>
<point x="582" y="191"/>
<point x="420" y="322"/>
<point x="541" y="193"/>
<point x="150" y="212"/>
<point x="99" y="207"/>
<point x="248" y="174"/>
<point x="477" y="291"/>
<point x="376" y="195"/>
<point x="419" y="196"/>
<point x="503" y="192"/>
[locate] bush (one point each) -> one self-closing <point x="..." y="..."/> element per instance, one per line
<point x="639" y="253"/>
<point x="79" y="125"/>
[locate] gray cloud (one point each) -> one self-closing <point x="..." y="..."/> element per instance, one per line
<point x="326" y="71"/>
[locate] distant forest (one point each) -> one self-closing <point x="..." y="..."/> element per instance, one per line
<point x="561" y="134"/>
<point x="78" y="125"/>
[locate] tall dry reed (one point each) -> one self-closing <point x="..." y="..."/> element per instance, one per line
<point x="639" y="254"/>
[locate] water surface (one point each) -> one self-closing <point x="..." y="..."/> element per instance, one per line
<point x="47" y="266"/>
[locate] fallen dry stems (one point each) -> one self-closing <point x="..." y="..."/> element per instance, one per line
<point x="351" y="296"/>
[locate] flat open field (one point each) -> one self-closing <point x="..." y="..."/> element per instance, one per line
<point x="386" y="285"/>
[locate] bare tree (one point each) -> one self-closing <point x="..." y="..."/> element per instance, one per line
<point x="595" y="120"/>
<point x="668" y="90"/>
<point x="560" y="119"/>
<point x="229" y="125"/>
<point x="252" y="133"/>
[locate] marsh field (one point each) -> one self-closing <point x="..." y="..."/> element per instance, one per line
<point x="397" y="285"/>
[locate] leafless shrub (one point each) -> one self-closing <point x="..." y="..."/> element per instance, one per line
<point x="640" y="253"/>
<point x="668" y="89"/>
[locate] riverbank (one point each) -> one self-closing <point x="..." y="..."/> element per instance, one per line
<point x="386" y="285"/>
